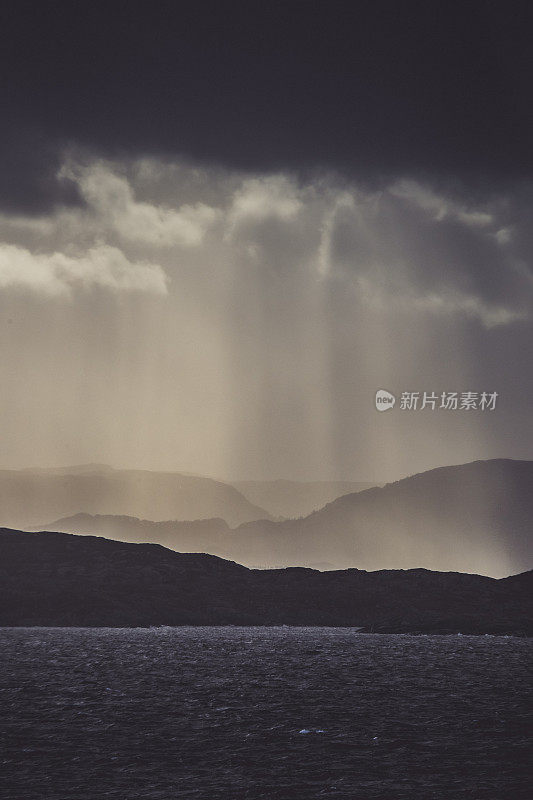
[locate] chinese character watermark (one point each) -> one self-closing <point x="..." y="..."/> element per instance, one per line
<point x="447" y="401"/>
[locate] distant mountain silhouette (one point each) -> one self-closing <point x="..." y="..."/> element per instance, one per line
<point x="195" y="536"/>
<point x="60" y="579"/>
<point x="293" y="499"/>
<point x="75" y="469"/>
<point x="29" y="497"/>
<point x="473" y="518"/>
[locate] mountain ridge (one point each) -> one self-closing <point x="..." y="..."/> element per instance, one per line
<point x="27" y="498"/>
<point x="58" y="579"/>
<point x="293" y="499"/>
<point x="474" y="517"/>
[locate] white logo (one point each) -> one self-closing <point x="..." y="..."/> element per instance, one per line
<point x="384" y="400"/>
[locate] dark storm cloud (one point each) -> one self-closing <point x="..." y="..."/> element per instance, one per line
<point x="409" y="238"/>
<point x="366" y="88"/>
<point x="29" y="163"/>
<point x="405" y="245"/>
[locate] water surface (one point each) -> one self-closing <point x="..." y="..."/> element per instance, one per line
<point x="273" y="713"/>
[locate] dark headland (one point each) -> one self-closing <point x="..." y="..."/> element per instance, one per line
<point x="58" y="579"/>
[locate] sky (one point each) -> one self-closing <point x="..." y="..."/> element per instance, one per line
<point x="224" y="227"/>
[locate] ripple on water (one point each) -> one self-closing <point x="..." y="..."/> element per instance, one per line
<point x="277" y="713"/>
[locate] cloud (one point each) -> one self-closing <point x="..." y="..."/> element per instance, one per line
<point x="407" y="246"/>
<point x="437" y="206"/>
<point x="293" y="305"/>
<point x="110" y="197"/>
<point x="57" y="274"/>
<point x="267" y="198"/>
<point x="38" y="226"/>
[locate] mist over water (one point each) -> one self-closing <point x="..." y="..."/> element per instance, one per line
<point x="261" y="714"/>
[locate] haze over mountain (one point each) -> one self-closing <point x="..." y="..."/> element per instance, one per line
<point x="194" y="536"/>
<point x="58" y="579"/>
<point x="471" y="518"/>
<point x="292" y="499"/>
<point x="31" y="496"/>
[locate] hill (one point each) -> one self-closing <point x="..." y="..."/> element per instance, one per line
<point x="31" y="497"/>
<point x="293" y="499"/>
<point x="59" y="579"/>
<point x="194" y="536"/>
<point x="471" y="518"/>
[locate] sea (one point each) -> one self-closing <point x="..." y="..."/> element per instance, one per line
<point x="225" y="713"/>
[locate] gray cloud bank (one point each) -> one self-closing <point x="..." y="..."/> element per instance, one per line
<point x="406" y="244"/>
